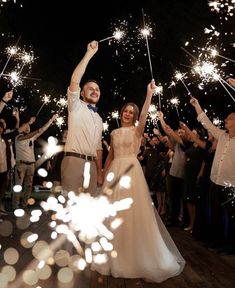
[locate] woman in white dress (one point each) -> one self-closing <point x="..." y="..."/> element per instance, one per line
<point x="144" y="247"/>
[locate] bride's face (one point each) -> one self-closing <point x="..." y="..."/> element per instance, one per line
<point x="128" y="116"/>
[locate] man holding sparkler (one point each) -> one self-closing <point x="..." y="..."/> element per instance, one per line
<point x="223" y="180"/>
<point x="25" y="161"/>
<point x="81" y="168"/>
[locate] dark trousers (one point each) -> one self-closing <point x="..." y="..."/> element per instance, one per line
<point x="175" y="193"/>
<point x="201" y="225"/>
<point x="3" y="186"/>
<point x="222" y="210"/>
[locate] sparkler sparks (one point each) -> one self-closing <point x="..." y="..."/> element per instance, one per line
<point x="146" y="32"/>
<point x="82" y="219"/>
<point x="62" y="103"/>
<point x="78" y="220"/>
<point x="46" y="100"/>
<point x="117" y="35"/>
<point x="223" y="6"/>
<point x="115" y="115"/>
<point x="60" y="121"/>
<point x="23" y="59"/>
<point x="180" y="77"/>
<point x="215" y="53"/>
<point x="175" y="101"/>
<point x="159" y="91"/>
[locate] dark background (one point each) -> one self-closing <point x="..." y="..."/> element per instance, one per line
<point x="58" y="33"/>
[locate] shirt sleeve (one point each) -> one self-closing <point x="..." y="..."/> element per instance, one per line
<point x="205" y="121"/>
<point x="73" y="98"/>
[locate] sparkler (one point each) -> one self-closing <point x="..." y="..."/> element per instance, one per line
<point x="118" y="34"/>
<point x="232" y="87"/>
<point x="11" y="52"/>
<point x="60" y="121"/>
<point x="153" y="115"/>
<point x="222" y="6"/>
<point x="81" y="219"/>
<point x="158" y="91"/>
<point x="105" y="126"/>
<point x="175" y="102"/>
<point x="180" y="76"/>
<point x="190" y="54"/>
<point x="146" y="32"/>
<point x="221" y="82"/>
<point x="215" y="53"/>
<point x="46" y="100"/>
<point x="208" y="71"/>
<point x="115" y="115"/>
<point x="26" y="58"/>
<point x="62" y="103"/>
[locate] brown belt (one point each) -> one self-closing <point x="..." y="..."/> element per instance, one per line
<point x="26" y="162"/>
<point x="82" y="156"/>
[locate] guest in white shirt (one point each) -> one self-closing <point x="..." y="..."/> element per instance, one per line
<point x="222" y="176"/>
<point x="25" y="162"/>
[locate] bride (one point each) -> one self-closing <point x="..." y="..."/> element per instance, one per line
<point x="143" y="245"/>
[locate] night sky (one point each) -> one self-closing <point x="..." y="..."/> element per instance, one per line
<point x="58" y="33"/>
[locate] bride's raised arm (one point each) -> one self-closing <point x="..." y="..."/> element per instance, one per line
<point x="143" y="114"/>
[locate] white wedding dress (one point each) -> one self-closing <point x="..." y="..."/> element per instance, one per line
<point x="144" y="247"/>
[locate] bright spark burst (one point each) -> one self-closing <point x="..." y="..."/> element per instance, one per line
<point x="223" y="7"/>
<point x="180" y="77"/>
<point x="12" y="51"/>
<point x="60" y="121"/>
<point x="62" y="103"/>
<point x="115" y="114"/>
<point x="175" y="101"/>
<point x="207" y="70"/>
<point x="159" y="90"/>
<point x="81" y="219"/>
<point x="46" y="99"/>
<point x="217" y="122"/>
<point x="105" y="126"/>
<point x="117" y="35"/>
<point x="152" y="112"/>
<point x="146" y="31"/>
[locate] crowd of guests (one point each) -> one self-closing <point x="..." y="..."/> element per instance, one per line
<point x="17" y="157"/>
<point x="189" y="172"/>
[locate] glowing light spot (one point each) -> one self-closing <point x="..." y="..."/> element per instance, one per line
<point x="116" y="223"/>
<point x="10" y="273"/>
<point x="24" y="240"/>
<point x="125" y="182"/>
<point x="17" y="188"/>
<point x="32" y="238"/>
<point x="110" y="176"/>
<point x="3" y="280"/>
<point x="65" y="275"/>
<point x="42" y="251"/>
<point x="49" y="184"/>
<point x="62" y="258"/>
<point x="86" y="175"/>
<point x="6" y="228"/>
<point x="44" y="272"/>
<point x="30" y="277"/>
<point x="42" y="172"/>
<point x="11" y="256"/>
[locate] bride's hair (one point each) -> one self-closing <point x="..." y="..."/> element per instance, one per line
<point x="135" y="110"/>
